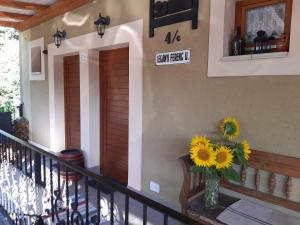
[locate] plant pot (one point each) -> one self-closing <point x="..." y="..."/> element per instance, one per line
<point x="21" y="128"/>
<point x="75" y="157"/>
<point x="5" y="122"/>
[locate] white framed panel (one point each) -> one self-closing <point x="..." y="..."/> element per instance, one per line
<point x="36" y="59"/>
<point x="88" y="47"/>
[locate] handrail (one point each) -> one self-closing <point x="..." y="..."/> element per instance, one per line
<point x="102" y="179"/>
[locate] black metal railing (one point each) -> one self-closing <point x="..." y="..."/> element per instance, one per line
<point x="90" y="199"/>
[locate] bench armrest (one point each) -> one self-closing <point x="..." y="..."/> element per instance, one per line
<point x="192" y="183"/>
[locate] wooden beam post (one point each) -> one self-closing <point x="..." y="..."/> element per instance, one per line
<point x="9" y="24"/>
<point x="22" y="5"/>
<point x="52" y="11"/>
<point x="16" y="16"/>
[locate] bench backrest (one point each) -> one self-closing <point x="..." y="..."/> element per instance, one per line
<point x="265" y="165"/>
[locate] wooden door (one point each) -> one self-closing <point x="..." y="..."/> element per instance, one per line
<point x="72" y="101"/>
<point x="114" y="91"/>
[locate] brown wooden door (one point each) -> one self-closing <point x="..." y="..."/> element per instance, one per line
<point x="114" y="91"/>
<point x="72" y="101"/>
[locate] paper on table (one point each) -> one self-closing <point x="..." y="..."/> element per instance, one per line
<point x="248" y="213"/>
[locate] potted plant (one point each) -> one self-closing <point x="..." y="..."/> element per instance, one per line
<point x="5" y="116"/>
<point x="214" y="158"/>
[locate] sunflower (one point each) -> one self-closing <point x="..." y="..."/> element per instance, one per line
<point x="203" y="155"/>
<point x="246" y="148"/>
<point x="230" y="128"/>
<point x="202" y="140"/>
<point x="224" y="157"/>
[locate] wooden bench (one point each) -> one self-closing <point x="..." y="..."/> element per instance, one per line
<point x="271" y="165"/>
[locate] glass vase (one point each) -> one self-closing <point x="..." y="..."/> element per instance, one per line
<point x="211" y="194"/>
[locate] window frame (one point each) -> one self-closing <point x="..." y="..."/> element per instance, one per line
<point x="282" y="44"/>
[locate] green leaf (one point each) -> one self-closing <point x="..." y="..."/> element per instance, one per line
<point x="212" y="173"/>
<point x="241" y="157"/>
<point x="198" y="169"/>
<point x="231" y="174"/>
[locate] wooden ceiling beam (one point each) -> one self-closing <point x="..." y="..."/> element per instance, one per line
<point x="16" y="16"/>
<point x="9" y="24"/>
<point x="22" y="5"/>
<point x="52" y="11"/>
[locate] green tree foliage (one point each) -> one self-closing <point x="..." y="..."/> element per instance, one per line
<point x="9" y="69"/>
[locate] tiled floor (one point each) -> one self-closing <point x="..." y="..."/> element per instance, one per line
<point x="3" y="220"/>
<point x="135" y="208"/>
<point x="13" y="181"/>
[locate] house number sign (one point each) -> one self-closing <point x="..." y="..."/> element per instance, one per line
<point x="170" y="39"/>
<point x="171" y="58"/>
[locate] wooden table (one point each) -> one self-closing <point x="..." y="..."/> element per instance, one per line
<point x="197" y="210"/>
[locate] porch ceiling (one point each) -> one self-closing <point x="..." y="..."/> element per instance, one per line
<point x="24" y="14"/>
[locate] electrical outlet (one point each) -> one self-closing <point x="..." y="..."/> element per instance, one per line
<point x="155" y="187"/>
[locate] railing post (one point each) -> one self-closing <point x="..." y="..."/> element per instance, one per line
<point x="98" y="205"/>
<point x="112" y="203"/>
<point x="145" y="215"/>
<point x="126" y="210"/>
<point x="37" y="168"/>
<point x="67" y="196"/>
<point x="1" y="148"/>
<point x="51" y="190"/>
<point x="86" y="200"/>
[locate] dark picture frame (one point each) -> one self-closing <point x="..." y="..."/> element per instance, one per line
<point x="167" y="12"/>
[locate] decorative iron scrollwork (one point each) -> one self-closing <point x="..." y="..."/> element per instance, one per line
<point x="76" y="217"/>
<point x="58" y="207"/>
<point x="95" y="220"/>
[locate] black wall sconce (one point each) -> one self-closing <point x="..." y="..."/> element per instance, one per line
<point x="101" y="24"/>
<point x="58" y="37"/>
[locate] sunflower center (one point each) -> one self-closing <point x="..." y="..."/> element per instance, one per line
<point x="201" y="143"/>
<point x="221" y="157"/>
<point x="203" y="154"/>
<point x="230" y="128"/>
